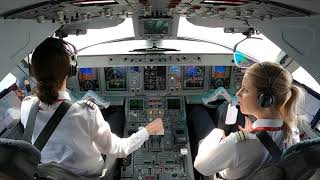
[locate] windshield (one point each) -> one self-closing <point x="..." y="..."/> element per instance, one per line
<point x="262" y="50"/>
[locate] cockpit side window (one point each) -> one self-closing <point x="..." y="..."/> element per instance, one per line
<point x="303" y="77"/>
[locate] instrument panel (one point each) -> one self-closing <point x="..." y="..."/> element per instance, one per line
<point x="158" y="80"/>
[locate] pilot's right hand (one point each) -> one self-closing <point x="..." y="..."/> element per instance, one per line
<point x="248" y="125"/>
<point x="155" y="127"/>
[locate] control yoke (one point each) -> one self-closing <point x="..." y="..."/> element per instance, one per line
<point x="220" y="93"/>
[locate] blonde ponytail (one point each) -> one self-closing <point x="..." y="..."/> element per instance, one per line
<point x="291" y="111"/>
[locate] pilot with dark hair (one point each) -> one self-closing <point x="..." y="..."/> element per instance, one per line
<point x="83" y="134"/>
<point x="240" y="153"/>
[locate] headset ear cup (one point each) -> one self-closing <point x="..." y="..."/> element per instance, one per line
<point x="73" y="66"/>
<point x="265" y="100"/>
<point x="70" y="71"/>
<point x="73" y="70"/>
<point x="30" y="69"/>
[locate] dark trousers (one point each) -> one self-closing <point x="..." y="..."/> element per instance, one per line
<point x="116" y="121"/>
<point x="202" y="123"/>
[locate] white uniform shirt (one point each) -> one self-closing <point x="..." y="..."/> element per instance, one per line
<point x="81" y="136"/>
<point x="238" y="154"/>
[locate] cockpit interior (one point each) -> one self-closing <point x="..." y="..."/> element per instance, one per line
<point x="150" y="59"/>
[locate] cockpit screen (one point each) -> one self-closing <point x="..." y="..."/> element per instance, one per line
<point x="156" y="26"/>
<point x="134" y="69"/>
<point x="220" y="70"/>
<point x="193" y="77"/>
<point x="136" y="104"/>
<point x="173" y="103"/>
<point x="116" y="78"/>
<point x="174" y="69"/>
<point x="88" y="79"/>
<point x="220" y="76"/>
<point x="155" y="78"/>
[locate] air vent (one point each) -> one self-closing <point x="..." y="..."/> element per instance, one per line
<point x="225" y="2"/>
<point x="93" y="2"/>
<point x="154" y="48"/>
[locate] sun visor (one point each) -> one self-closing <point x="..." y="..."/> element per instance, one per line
<point x="215" y="22"/>
<point x="80" y="27"/>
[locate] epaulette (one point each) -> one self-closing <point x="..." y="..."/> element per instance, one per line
<point x="243" y="136"/>
<point x="90" y="104"/>
<point x="238" y="137"/>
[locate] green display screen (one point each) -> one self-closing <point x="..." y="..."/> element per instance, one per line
<point x="136" y="104"/>
<point x="156" y="26"/>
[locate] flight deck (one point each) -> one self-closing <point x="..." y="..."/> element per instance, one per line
<point x="149" y="92"/>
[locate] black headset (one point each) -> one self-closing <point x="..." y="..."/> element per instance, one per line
<point x="265" y="97"/>
<point x="72" y="52"/>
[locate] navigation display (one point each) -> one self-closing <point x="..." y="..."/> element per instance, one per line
<point x="174" y="69"/>
<point x="220" y="76"/>
<point x="88" y="79"/>
<point x="155" y="78"/>
<point x="134" y="69"/>
<point x="136" y="104"/>
<point x="116" y="78"/>
<point x="193" y="77"/>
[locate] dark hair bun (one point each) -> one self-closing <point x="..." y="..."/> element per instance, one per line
<point x="47" y="91"/>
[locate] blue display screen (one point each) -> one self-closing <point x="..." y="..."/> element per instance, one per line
<point x="134" y="69"/>
<point x="86" y="71"/>
<point x="174" y="69"/>
<point x="193" y="71"/>
<point x="220" y="69"/>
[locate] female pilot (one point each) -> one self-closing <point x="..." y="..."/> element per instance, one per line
<point x="83" y="134"/>
<point x="267" y="93"/>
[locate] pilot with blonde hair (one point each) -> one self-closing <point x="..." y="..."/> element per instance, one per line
<point x="83" y="134"/>
<point x="267" y="93"/>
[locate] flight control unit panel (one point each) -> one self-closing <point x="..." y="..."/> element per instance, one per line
<point x="162" y="157"/>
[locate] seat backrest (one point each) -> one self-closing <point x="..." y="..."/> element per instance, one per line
<point x="298" y="162"/>
<point x="18" y="159"/>
<point x="15" y="132"/>
<point x="299" y="146"/>
<point x="53" y="171"/>
<point x="301" y="160"/>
